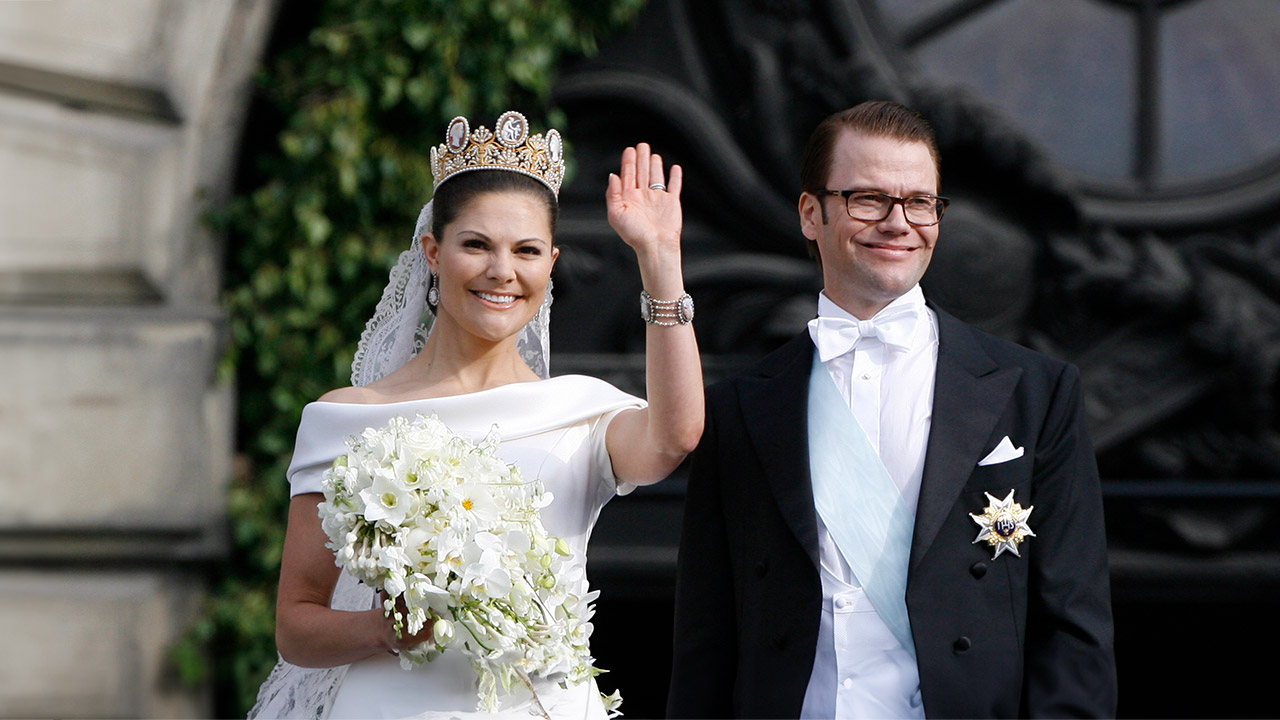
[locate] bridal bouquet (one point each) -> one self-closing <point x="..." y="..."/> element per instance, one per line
<point x="453" y="536"/>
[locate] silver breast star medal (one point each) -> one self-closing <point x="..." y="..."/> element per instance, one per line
<point x="1004" y="524"/>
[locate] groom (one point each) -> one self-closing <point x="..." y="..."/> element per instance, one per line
<point x="895" y="514"/>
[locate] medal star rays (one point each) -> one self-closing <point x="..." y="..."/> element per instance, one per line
<point x="1004" y="524"/>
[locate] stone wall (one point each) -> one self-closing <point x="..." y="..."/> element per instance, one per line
<point x="119" y="123"/>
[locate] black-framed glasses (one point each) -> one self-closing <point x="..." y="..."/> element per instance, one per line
<point x="874" y="206"/>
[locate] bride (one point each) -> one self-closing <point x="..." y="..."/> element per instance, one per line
<point x="481" y="262"/>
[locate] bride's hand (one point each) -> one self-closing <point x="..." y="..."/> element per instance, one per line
<point x="647" y="218"/>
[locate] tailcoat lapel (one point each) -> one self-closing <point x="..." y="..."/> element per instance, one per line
<point x="775" y="410"/>
<point x="970" y="394"/>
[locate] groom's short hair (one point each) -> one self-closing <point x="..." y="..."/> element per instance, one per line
<point x="877" y="118"/>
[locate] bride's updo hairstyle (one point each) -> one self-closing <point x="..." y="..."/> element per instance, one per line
<point x="452" y="197"/>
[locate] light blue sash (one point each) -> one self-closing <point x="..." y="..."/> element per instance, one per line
<point x="860" y="504"/>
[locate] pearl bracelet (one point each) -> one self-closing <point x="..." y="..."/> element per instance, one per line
<point x="666" y="312"/>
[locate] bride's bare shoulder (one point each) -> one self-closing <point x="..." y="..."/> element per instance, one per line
<point x="354" y="396"/>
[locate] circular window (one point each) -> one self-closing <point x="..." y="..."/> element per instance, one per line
<point x="1148" y="105"/>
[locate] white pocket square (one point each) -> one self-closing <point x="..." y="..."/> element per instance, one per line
<point x="1004" y="452"/>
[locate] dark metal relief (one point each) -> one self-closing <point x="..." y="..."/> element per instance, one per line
<point x="1163" y="289"/>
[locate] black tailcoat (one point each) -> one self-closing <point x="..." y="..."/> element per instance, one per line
<point x="1027" y="635"/>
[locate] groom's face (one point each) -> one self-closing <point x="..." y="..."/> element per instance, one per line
<point x="866" y="265"/>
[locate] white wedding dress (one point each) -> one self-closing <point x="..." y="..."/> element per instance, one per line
<point x="554" y="430"/>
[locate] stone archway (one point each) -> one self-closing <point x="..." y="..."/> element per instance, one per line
<point x="118" y="128"/>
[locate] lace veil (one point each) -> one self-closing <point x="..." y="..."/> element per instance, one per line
<point x="402" y="322"/>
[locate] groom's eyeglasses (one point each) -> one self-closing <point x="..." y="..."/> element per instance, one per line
<point x="873" y="206"/>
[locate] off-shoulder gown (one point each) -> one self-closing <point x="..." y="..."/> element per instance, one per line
<point x="553" y="430"/>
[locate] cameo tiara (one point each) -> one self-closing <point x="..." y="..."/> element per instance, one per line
<point x="508" y="147"/>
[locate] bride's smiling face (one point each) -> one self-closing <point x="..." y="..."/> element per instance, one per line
<point x="493" y="263"/>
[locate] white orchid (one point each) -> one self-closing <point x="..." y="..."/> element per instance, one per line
<point x="612" y="703"/>
<point x="455" y="534"/>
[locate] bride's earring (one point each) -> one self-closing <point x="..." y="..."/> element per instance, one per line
<point x="433" y="292"/>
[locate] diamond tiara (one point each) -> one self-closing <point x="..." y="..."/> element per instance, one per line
<point x="509" y="147"/>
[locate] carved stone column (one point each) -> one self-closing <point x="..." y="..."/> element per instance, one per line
<point x="119" y="123"/>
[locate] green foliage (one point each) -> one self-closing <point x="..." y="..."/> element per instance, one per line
<point x="363" y="97"/>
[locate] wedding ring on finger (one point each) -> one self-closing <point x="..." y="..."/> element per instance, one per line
<point x="657" y="186"/>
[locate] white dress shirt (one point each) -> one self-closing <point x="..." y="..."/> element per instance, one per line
<point x="860" y="669"/>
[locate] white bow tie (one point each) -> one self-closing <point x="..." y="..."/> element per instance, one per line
<point x="836" y="336"/>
